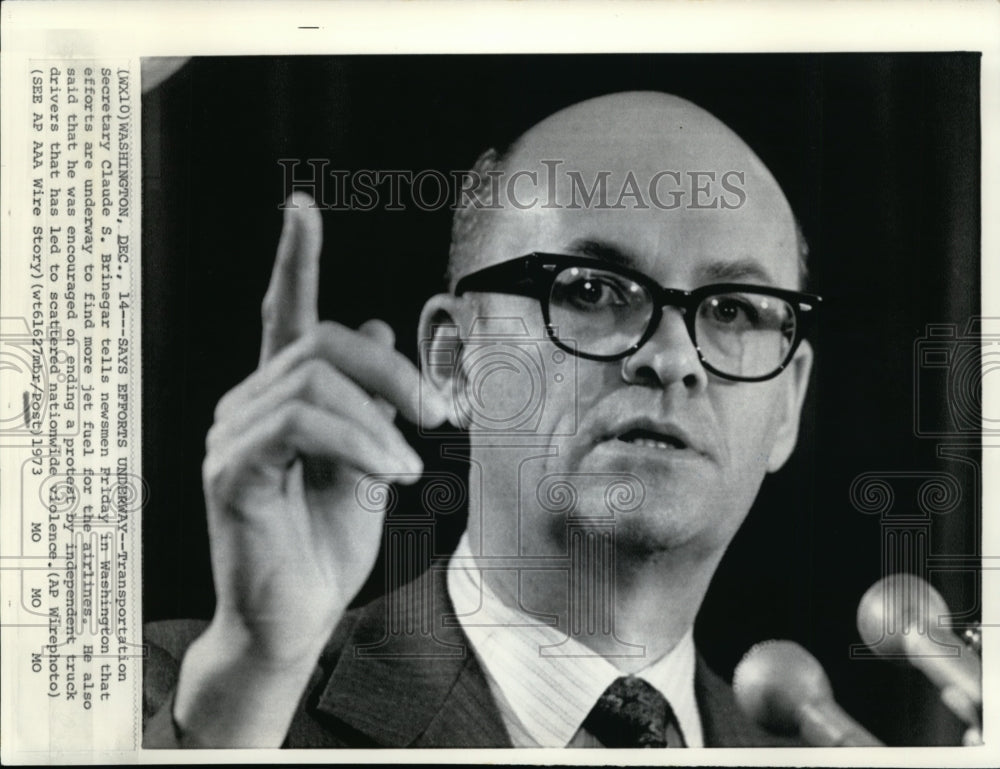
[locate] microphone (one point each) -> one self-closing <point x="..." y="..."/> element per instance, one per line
<point x="895" y="618"/>
<point x="783" y="688"/>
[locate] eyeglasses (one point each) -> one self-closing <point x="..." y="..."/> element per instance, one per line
<point x="600" y="311"/>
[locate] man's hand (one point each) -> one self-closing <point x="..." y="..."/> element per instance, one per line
<point x="290" y="544"/>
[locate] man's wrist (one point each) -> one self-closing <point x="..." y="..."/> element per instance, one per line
<point x="229" y="696"/>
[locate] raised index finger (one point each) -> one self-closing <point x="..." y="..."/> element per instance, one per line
<point x="289" y="307"/>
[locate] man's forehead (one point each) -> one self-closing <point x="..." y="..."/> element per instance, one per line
<point x="650" y="178"/>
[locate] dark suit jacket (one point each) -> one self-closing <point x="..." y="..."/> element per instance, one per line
<point x="418" y="686"/>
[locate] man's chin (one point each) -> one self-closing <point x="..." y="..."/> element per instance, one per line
<point x="633" y="519"/>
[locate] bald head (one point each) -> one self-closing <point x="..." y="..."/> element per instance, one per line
<point x="652" y="154"/>
<point x="633" y="130"/>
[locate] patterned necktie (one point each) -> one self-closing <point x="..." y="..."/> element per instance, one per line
<point x="633" y="714"/>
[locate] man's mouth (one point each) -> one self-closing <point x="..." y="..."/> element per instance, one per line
<point x="652" y="439"/>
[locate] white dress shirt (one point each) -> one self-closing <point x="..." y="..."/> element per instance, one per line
<point x="543" y="697"/>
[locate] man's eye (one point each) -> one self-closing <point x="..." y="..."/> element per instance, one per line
<point x="731" y="311"/>
<point x="595" y="293"/>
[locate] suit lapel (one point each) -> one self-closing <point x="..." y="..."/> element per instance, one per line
<point x="422" y="686"/>
<point x="418" y="685"/>
<point x="468" y="717"/>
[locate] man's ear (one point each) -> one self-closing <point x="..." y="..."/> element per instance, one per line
<point x="796" y="380"/>
<point x="439" y="343"/>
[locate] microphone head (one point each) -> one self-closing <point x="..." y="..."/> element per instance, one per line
<point x="895" y="609"/>
<point x="774" y="680"/>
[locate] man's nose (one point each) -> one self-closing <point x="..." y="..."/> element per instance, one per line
<point x="667" y="357"/>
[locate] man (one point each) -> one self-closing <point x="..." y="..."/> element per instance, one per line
<point x="562" y="620"/>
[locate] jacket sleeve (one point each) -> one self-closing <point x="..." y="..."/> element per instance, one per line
<point x="165" y="643"/>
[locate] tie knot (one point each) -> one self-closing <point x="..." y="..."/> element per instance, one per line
<point x="632" y="714"/>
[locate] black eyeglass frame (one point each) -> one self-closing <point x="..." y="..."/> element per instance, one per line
<point x="533" y="275"/>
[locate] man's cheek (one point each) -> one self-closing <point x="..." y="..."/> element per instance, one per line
<point x="749" y="429"/>
<point x="568" y="397"/>
<point x="500" y="396"/>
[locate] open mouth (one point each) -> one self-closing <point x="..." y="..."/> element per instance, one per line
<point x="651" y="439"/>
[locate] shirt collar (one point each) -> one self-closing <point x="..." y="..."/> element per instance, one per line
<point x="546" y="683"/>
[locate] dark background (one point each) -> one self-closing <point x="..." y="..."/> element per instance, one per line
<point x="879" y="157"/>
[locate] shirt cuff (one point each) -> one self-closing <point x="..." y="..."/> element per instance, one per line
<point x="162" y="730"/>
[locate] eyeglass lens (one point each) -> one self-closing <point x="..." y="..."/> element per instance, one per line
<point x="741" y="334"/>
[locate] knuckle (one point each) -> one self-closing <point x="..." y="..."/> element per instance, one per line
<point x="328" y="330"/>
<point x="317" y="339"/>
<point x="268" y="308"/>
<point x="231" y="400"/>
<point x="381" y="332"/>
<point x="310" y="380"/>
<point x="294" y="417"/>
<point x="212" y="476"/>
<point x="314" y="371"/>
<point x="222" y="408"/>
